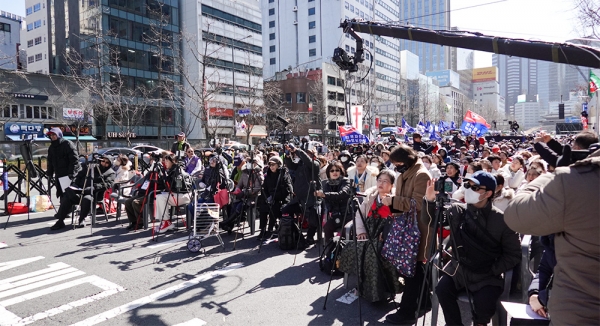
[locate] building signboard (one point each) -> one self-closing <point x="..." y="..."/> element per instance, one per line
<point x="30" y="96"/>
<point x="71" y="130"/>
<point x="484" y="74"/>
<point x="17" y="129"/>
<point x="220" y="112"/>
<point x="445" y="78"/>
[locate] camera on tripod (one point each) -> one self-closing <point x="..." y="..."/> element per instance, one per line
<point x="443" y="186"/>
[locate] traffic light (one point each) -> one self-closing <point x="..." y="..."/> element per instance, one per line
<point x="561" y="111"/>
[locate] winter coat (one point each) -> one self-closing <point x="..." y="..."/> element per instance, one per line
<point x="514" y="179"/>
<point x="369" y="177"/>
<point x="62" y="161"/>
<point x="371" y="195"/>
<point x="434" y="171"/>
<point x="277" y="185"/>
<point x="501" y="202"/>
<point x="213" y="178"/>
<point x="123" y="175"/>
<point x="492" y="220"/>
<point x="193" y="164"/>
<point x="412" y="184"/>
<point x="566" y="203"/>
<point x="104" y="178"/>
<point x="244" y="183"/>
<point x="420" y="146"/>
<point x="306" y="179"/>
<point x="336" y="197"/>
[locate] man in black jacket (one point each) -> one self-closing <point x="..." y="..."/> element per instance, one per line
<point x="103" y="178"/>
<point x="418" y="145"/>
<point x="277" y="191"/>
<point x="306" y="182"/>
<point x="62" y="159"/>
<point x="481" y="266"/>
<point x="180" y="146"/>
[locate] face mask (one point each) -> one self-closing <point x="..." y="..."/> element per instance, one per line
<point x="401" y="169"/>
<point x="471" y="197"/>
<point x="344" y="159"/>
<point x="374" y="164"/>
<point x="427" y="165"/>
<point x="296" y="160"/>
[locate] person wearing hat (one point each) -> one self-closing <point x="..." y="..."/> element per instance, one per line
<point x="62" y="159"/>
<point x="180" y="146"/>
<point x="92" y="191"/>
<point x="277" y="191"/>
<point x="238" y="164"/>
<point x="482" y="269"/>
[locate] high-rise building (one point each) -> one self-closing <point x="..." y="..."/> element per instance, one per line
<point x="527" y="111"/>
<point x="10" y="35"/>
<point x="516" y="76"/>
<point x="486" y="91"/>
<point x="433" y="14"/>
<point x="224" y="46"/>
<point x="302" y="35"/>
<point x="131" y="47"/>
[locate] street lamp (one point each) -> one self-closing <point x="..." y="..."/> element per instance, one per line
<point x="233" y="83"/>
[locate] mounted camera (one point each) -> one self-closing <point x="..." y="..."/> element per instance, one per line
<point x="346" y="62"/>
<point x="443" y="186"/>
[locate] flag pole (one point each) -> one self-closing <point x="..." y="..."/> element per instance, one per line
<point x="597" y="124"/>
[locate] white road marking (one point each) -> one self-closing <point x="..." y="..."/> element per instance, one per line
<point x="166" y="243"/>
<point x="10" y="285"/>
<point x="17" y="263"/>
<point x="51" y="268"/>
<point x="193" y="322"/>
<point x="155" y="296"/>
<point x="3" y="245"/>
<point x="40" y="284"/>
<point x="108" y="287"/>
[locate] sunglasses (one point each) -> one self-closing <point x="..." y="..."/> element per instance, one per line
<point x="332" y="170"/>
<point x="474" y="187"/>
<point x="190" y="151"/>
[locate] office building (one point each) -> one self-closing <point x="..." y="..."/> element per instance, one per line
<point x="10" y="39"/>
<point x="302" y="35"/>
<point x="516" y="76"/>
<point x="432" y="14"/>
<point x="230" y="34"/>
<point x="486" y="91"/>
<point x="527" y="112"/>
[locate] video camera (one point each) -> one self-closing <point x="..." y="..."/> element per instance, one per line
<point x="443" y="186"/>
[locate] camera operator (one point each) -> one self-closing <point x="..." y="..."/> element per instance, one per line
<point x="487" y="248"/>
<point x="181" y="145"/>
<point x="565" y="203"/>
<point x="62" y="159"/>
<point x="104" y="177"/>
<point x="175" y="190"/>
<point x="336" y="192"/>
<point x="248" y="186"/>
<point x="305" y="183"/>
<point x="277" y="192"/>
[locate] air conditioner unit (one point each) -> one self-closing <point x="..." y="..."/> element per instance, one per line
<point x="295" y="9"/>
<point x="295" y="22"/>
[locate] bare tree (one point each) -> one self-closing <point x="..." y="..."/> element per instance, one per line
<point x="588" y="14"/>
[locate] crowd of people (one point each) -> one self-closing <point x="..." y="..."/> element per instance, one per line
<point x="500" y="189"/>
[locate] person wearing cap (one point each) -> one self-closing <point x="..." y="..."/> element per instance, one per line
<point x="92" y="191"/>
<point x="418" y="145"/>
<point x="482" y="269"/>
<point x="180" y="145"/>
<point x="62" y="159"/>
<point x="277" y="191"/>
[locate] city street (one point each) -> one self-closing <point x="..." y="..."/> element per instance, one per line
<point x="118" y="278"/>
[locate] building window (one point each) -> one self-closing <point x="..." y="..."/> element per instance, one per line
<point x="332" y="110"/>
<point x="272" y="36"/>
<point x="288" y="97"/>
<point x="30" y="59"/>
<point x="29" y="11"/>
<point x="5" y="27"/>
<point x="271" y="1"/>
<point x="271" y="11"/>
<point x="352" y="49"/>
<point x="271" y="24"/>
<point x="272" y="61"/>
<point x="300" y="97"/>
<point x="37" y="23"/>
<point x="29" y="43"/>
<point x="312" y="52"/>
<point x="312" y="39"/>
<point x="38" y="57"/>
<point x="331" y="80"/>
<point x="272" y="48"/>
<point x="312" y="25"/>
<point x="347" y="48"/>
<point x="340" y="96"/>
<point x="38" y="40"/>
<point x="340" y="82"/>
<point x="10" y="111"/>
<point x="311" y="11"/>
<point x="37" y="7"/>
<point x="29" y="27"/>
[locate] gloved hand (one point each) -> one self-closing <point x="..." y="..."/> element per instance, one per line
<point x="270" y="200"/>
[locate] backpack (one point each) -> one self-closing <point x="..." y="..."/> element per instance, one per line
<point x="328" y="262"/>
<point x="289" y="236"/>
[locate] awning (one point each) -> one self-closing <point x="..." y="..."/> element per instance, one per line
<point x="81" y="138"/>
<point x="18" y="138"/>
<point x="258" y="131"/>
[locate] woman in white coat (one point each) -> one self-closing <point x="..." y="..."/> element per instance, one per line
<point x="513" y="173"/>
<point x="123" y="172"/>
<point x="363" y="175"/>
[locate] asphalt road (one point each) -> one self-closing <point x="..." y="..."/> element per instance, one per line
<point x="107" y="275"/>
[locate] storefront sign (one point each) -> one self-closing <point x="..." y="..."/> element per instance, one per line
<point x="315" y="131"/>
<point x="73" y="114"/>
<point x="71" y="130"/>
<point x="15" y="128"/>
<point x="220" y="112"/>
<point x="121" y="135"/>
<point x="30" y="96"/>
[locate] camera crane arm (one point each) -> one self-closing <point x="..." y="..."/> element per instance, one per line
<point x="573" y="54"/>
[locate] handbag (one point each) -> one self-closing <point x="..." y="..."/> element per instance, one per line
<point x="401" y="246"/>
<point x="221" y="197"/>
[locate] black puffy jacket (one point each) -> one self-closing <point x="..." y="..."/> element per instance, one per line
<point x="336" y="196"/>
<point x="277" y="185"/>
<point x="62" y="161"/>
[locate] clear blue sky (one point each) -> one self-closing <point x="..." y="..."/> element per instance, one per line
<point x="528" y="19"/>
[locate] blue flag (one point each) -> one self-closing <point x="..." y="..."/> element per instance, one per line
<point x="406" y="138"/>
<point x="434" y="136"/>
<point x="469" y="128"/>
<point x="405" y="126"/>
<point x="452" y="125"/>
